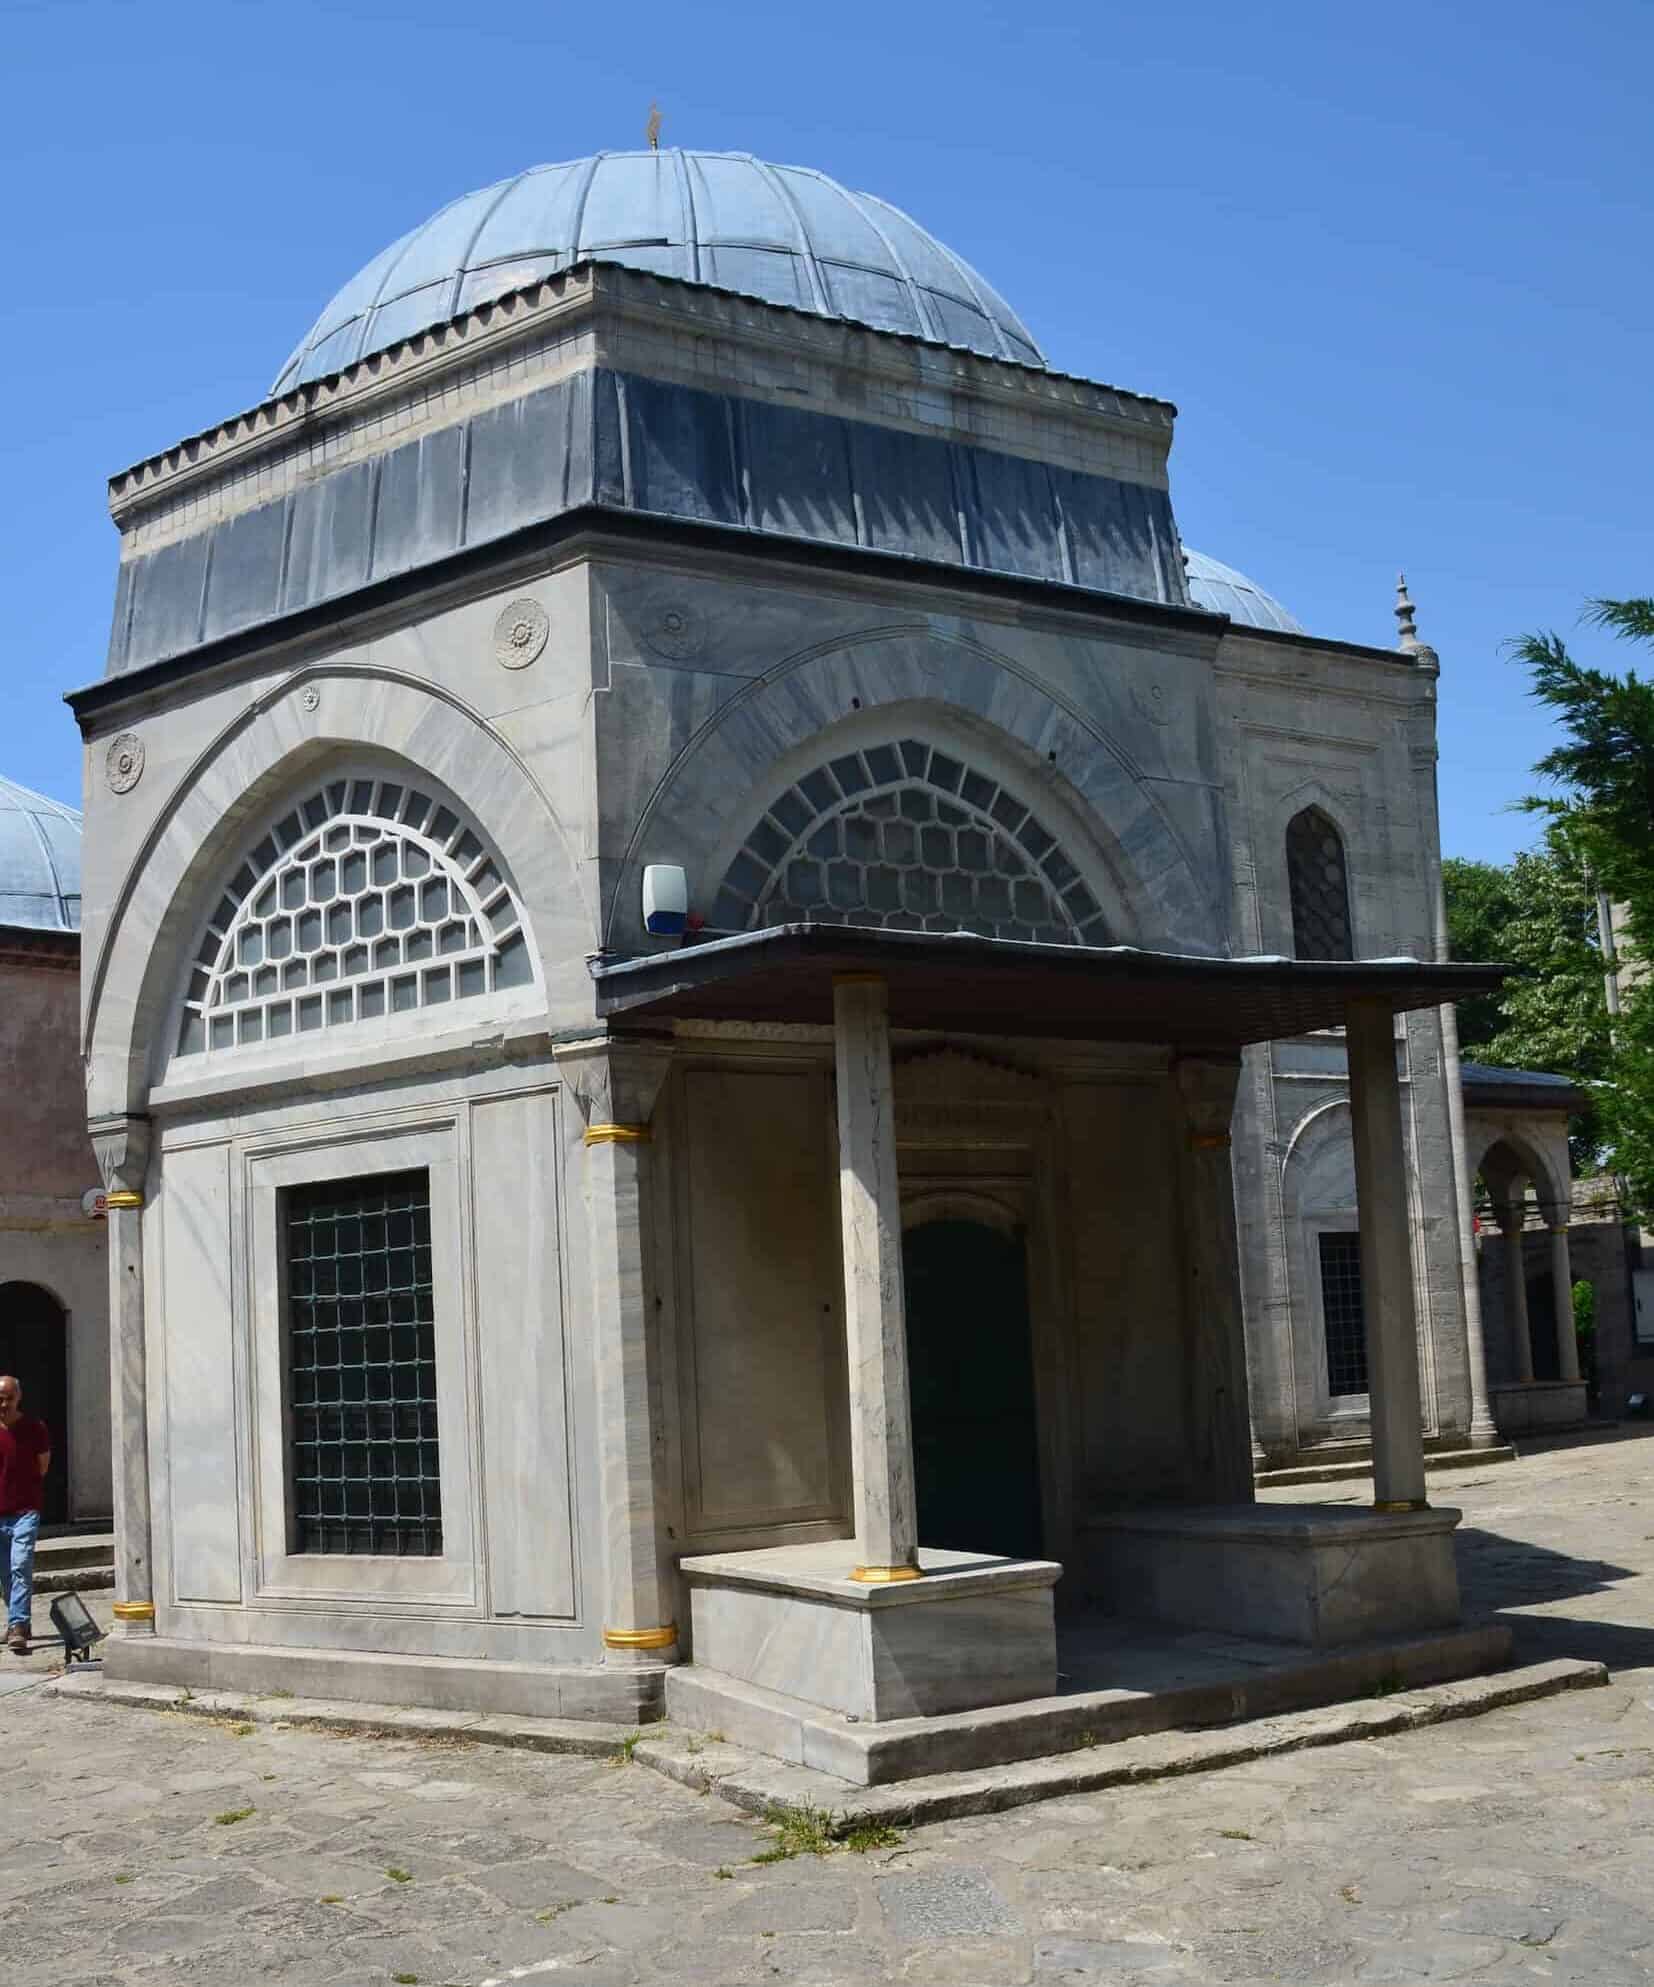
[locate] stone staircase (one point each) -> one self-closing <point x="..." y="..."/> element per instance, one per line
<point x="82" y="1560"/>
<point x="1347" y="1462"/>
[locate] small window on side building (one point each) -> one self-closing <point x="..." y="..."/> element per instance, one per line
<point x="1341" y="1314"/>
<point x="1318" y="878"/>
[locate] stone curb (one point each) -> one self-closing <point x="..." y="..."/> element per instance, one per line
<point x="389" y="1721"/>
<point x="760" y="1785"/>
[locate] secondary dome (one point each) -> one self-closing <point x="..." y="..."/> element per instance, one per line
<point x="1221" y="590"/>
<point x="785" y="234"/>
<point x="39" y="861"/>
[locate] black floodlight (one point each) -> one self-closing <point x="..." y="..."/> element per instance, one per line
<point x="73" y="1621"/>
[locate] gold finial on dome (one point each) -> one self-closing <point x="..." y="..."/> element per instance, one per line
<point x="651" y="130"/>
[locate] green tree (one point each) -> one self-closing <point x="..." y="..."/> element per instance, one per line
<point x="1604" y="814"/>
<point x="1539" y="913"/>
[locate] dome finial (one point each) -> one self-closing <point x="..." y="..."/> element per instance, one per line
<point x="651" y="130"/>
<point x="1404" y="616"/>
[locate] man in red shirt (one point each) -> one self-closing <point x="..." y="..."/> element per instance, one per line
<point x="25" y="1457"/>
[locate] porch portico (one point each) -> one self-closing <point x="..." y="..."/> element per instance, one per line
<point x="889" y="1625"/>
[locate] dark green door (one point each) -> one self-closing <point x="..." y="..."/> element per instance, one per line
<point x="971" y="1375"/>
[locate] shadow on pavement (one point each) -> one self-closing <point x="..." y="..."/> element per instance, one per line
<point x="1503" y="1577"/>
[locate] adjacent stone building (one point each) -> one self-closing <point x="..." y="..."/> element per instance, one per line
<point x="53" y="1290"/>
<point x="512" y="1298"/>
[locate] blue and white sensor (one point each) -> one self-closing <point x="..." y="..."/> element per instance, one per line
<point x="665" y="899"/>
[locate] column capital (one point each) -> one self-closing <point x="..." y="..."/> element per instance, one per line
<point x="616" y="1079"/>
<point x="1206" y="1086"/>
<point x="121" y="1144"/>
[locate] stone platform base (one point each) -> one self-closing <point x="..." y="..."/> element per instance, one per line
<point x="972" y="1631"/>
<point x="1540" y="1407"/>
<point x="630" y="1697"/>
<point x="1235" y="1681"/>
<point x="1315" y="1574"/>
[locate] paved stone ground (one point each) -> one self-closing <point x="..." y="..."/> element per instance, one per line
<point x="155" y="1848"/>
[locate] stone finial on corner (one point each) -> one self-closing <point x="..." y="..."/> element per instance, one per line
<point x="1409" y="634"/>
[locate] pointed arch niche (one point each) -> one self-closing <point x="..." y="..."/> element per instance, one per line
<point x="368" y="897"/>
<point x="1318" y="879"/>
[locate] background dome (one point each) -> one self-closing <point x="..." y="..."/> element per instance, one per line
<point x="39" y="861"/>
<point x="781" y="233"/>
<point x="1221" y="590"/>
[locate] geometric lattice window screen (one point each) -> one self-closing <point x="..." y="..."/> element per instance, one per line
<point x="369" y="898"/>
<point x="361" y="1367"/>
<point x="906" y="837"/>
<point x="1341" y="1313"/>
<point x="1320" y="887"/>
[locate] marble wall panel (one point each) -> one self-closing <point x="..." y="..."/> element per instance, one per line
<point x="1121" y="1191"/>
<point x="766" y="1357"/>
<point x="527" y="1489"/>
<point x="200" y="1409"/>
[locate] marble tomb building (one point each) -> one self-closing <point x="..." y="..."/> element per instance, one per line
<point x="520" y="1308"/>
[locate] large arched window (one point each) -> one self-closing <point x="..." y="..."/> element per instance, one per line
<point x="909" y="838"/>
<point x="371" y="897"/>
<point x="1320" y="886"/>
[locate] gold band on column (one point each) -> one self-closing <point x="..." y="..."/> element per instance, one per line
<point x="1209" y="1141"/>
<point x="1394" y="1504"/>
<point x="641" y="1638"/>
<point x="858" y="979"/>
<point x="618" y="1134"/>
<point x="133" y="1610"/>
<point x="1560" y="1227"/>
<point x="123" y="1197"/>
<point x="885" y="1576"/>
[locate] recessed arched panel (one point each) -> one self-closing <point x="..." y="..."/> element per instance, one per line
<point x="365" y="897"/>
<point x="906" y="836"/>
<point x="1318" y="878"/>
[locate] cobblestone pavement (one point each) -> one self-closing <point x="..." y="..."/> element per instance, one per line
<point x="1515" y="1848"/>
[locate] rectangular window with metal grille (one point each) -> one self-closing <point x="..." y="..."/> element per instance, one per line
<point x="361" y="1367"/>
<point x="1341" y="1313"/>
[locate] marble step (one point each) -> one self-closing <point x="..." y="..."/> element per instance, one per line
<point x="1351" y="1471"/>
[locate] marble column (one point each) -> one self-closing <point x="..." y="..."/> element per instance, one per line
<point x="122" y="1148"/>
<point x="875" y="1316"/>
<point x="1386" y="1257"/>
<point x="1512" y="1214"/>
<point x="1215" y="1341"/>
<point x="1562" y="1283"/>
<point x="616" y="1083"/>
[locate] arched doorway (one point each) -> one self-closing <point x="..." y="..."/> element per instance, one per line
<point x="971" y="1379"/>
<point x="34" y="1345"/>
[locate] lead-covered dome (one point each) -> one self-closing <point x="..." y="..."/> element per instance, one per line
<point x="39" y="861"/>
<point x="785" y="234"/>
<point x="1221" y="590"/>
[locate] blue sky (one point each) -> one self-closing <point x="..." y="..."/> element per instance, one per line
<point x="1392" y="264"/>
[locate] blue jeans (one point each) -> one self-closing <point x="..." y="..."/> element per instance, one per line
<point x="17" y="1537"/>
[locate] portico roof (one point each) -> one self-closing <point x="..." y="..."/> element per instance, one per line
<point x="994" y="986"/>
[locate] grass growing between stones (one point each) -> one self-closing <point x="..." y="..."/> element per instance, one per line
<point x="622" y="1756"/>
<point x="807" y="1830"/>
<point x="231" y="1816"/>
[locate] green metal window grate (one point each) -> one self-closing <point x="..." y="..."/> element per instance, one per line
<point x="1342" y="1314"/>
<point x="361" y="1365"/>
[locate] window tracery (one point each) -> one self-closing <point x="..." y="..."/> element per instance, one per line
<point x="1318" y="879"/>
<point x="370" y="898"/>
<point x="908" y="837"/>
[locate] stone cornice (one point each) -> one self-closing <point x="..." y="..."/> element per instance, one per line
<point x="754" y="347"/>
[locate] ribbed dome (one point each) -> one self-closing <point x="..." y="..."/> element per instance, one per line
<point x="1221" y="590"/>
<point x="39" y="861"/>
<point x="785" y="234"/>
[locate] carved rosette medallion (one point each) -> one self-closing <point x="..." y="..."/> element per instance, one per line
<point x="675" y="631"/>
<point x="123" y="765"/>
<point x="520" y="634"/>
<point x="1155" y="701"/>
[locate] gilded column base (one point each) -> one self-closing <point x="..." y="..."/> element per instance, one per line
<point x="884" y="1576"/>
<point x="1393" y="1504"/>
